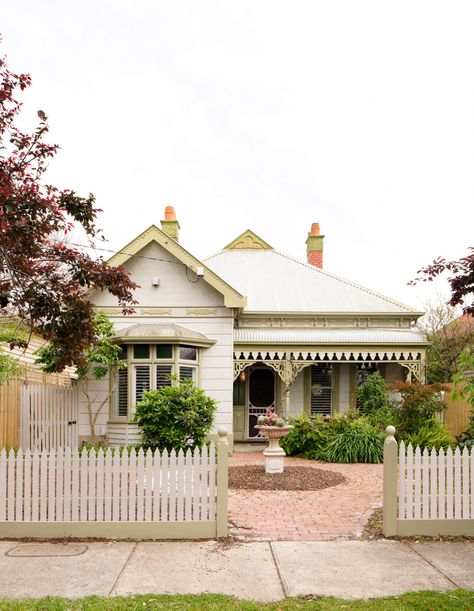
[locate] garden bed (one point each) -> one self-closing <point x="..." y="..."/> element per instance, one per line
<point x="253" y="477"/>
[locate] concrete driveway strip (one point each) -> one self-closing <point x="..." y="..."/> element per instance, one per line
<point x="245" y="570"/>
<point x="47" y="569"/>
<point x="354" y="569"/>
<point x="455" y="560"/>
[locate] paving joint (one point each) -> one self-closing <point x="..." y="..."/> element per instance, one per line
<point x="456" y="586"/>
<point x="132" y="551"/>
<point x="283" y="583"/>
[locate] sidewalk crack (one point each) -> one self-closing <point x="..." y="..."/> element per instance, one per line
<point x="457" y="586"/>
<point x="284" y="587"/>
<point x="132" y="551"/>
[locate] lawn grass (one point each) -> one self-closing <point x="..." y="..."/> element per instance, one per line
<point x="420" y="601"/>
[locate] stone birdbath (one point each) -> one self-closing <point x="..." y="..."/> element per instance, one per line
<point x="273" y="428"/>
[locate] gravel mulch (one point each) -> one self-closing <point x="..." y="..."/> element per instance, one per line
<point x="253" y="477"/>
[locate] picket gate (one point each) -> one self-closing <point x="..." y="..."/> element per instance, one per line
<point x="49" y="416"/>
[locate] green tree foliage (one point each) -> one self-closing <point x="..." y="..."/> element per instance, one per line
<point x="175" y="417"/>
<point x="448" y="335"/>
<point x="102" y="356"/>
<point x="372" y="394"/>
<point x="44" y="281"/>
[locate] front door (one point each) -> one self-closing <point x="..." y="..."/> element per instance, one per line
<point x="261" y="395"/>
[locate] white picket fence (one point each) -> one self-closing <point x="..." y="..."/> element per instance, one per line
<point x="49" y="417"/>
<point x="429" y="492"/>
<point x="113" y="494"/>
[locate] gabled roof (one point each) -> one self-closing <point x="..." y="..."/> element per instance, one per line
<point x="276" y="283"/>
<point x="232" y="298"/>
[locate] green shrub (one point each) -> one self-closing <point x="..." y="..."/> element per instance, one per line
<point x="372" y="394"/>
<point x="175" y="416"/>
<point x="381" y="418"/>
<point x="418" y="404"/>
<point x="431" y="434"/>
<point x="309" y="438"/>
<point x="359" y="442"/>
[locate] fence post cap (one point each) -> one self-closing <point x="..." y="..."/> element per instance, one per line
<point x="222" y="431"/>
<point x="390" y="430"/>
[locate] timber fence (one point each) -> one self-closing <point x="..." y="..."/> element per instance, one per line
<point x="113" y="494"/>
<point x="427" y="493"/>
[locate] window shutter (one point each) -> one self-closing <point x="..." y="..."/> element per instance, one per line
<point x="142" y="381"/>
<point x="321" y="390"/>
<point x="186" y="373"/>
<point x="162" y="375"/>
<point x="121" y="404"/>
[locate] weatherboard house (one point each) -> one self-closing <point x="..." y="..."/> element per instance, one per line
<point x="253" y="327"/>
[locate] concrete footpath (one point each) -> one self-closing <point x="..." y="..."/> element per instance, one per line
<point x="256" y="570"/>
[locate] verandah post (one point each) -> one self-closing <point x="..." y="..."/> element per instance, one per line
<point x="222" y="482"/>
<point x="390" y="472"/>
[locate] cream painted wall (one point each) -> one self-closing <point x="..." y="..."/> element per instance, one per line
<point x="177" y="294"/>
<point x="176" y="287"/>
<point x="344" y="388"/>
<point x="297" y="395"/>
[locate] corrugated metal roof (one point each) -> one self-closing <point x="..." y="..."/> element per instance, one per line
<point x="327" y="336"/>
<point x="274" y="282"/>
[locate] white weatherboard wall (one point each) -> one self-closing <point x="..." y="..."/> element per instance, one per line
<point x="182" y="299"/>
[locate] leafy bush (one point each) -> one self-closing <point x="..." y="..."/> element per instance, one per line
<point x="418" y="404"/>
<point x="309" y="437"/>
<point x="359" y="442"/>
<point x="372" y="394"/>
<point x="381" y="418"/>
<point x="174" y="416"/>
<point x="431" y="434"/>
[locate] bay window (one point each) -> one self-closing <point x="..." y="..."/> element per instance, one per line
<point x="149" y="367"/>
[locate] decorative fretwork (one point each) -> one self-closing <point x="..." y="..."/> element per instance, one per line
<point x="414" y="371"/>
<point x="289" y="364"/>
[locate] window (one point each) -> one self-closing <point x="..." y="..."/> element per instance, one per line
<point x="321" y="389"/>
<point x="149" y="366"/>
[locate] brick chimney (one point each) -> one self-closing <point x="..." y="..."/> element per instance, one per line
<point x="314" y="246"/>
<point x="170" y="225"/>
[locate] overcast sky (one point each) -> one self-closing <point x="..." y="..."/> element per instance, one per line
<point x="267" y="115"/>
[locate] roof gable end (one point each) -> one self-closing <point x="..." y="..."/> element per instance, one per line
<point x="232" y="298"/>
<point x="248" y="240"/>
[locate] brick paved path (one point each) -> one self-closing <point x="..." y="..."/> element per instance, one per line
<point x="339" y="512"/>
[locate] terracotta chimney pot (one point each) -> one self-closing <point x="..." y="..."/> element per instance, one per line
<point x="314" y="229"/>
<point x="170" y="214"/>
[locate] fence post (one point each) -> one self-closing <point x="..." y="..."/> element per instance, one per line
<point x="390" y="472"/>
<point x="222" y="482"/>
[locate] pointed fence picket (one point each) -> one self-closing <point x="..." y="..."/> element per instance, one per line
<point x="435" y="490"/>
<point x="68" y="486"/>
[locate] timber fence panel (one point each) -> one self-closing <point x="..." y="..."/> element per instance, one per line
<point x="427" y="493"/>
